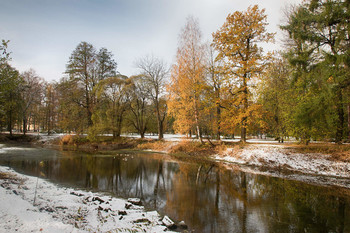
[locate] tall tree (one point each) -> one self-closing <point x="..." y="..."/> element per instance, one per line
<point x="237" y="42"/>
<point x="81" y="68"/>
<point x="321" y="28"/>
<point x="72" y="114"/>
<point x="155" y="72"/>
<point x="10" y="98"/>
<point x="10" y="82"/>
<point x="139" y="104"/>
<point x="113" y="101"/>
<point x="106" y="65"/>
<point x="216" y="82"/>
<point x="86" y="68"/>
<point x="276" y="97"/>
<point x="188" y="80"/>
<point x="31" y="90"/>
<point x="49" y="108"/>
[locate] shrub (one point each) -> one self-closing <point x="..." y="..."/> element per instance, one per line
<point x="73" y="140"/>
<point x="153" y="145"/>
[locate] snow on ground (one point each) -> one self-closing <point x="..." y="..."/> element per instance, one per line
<point x="276" y="156"/>
<point x="59" y="209"/>
<point x="46" y="138"/>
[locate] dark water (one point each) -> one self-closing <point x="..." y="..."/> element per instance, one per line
<point x="208" y="197"/>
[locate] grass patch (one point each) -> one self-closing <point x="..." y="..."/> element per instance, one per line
<point x="155" y="145"/>
<point x="193" y="148"/>
<point x="337" y="152"/>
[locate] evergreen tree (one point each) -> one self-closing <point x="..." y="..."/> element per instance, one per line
<point x="320" y="31"/>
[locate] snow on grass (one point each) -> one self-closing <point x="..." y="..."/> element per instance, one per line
<point x="275" y="156"/>
<point x="59" y="209"/>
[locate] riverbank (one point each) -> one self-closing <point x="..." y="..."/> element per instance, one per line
<point x="284" y="157"/>
<point x="319" y="159"/>
<point x="30" y="204"/>
<point x="324" y="164"/>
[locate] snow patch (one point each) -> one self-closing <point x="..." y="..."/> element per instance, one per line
<point x="59" y="209"/>
<point x="276" y="156"/>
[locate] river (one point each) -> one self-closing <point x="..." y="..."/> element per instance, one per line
<point x="209" y="197"/>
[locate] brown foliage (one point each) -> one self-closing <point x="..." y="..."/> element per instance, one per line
<point x="153" y="145"/>
<point x="69" y="140"/>
<point x="193" y="148"/>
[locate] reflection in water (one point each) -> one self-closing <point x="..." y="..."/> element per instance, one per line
<point x="209" y="198"/>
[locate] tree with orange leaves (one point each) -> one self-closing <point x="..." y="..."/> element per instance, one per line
<point x="187" y="85"/>
<point x="237" y="43"/>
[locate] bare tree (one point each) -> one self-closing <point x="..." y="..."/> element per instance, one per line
<point x="31" y="90"/>
<point x="138" y="104"/>
<point x="155" y="72"/>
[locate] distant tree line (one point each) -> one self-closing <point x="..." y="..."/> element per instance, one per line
<point x="224" y="88"/>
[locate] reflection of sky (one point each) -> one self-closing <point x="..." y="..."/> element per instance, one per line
<point x="43" y="33"/>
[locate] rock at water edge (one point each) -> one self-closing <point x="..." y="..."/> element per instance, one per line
<point x="168" y="222"/>
<point x="135" y="201"/>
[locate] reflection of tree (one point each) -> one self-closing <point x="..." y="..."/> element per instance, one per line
<point x="115" y="177"/>
<point x="193" y="196"/>
<point x="245" y="199"/>
<point x="156" y="187"/>
<point x="341" y="212"/>
<point x="139" y="178"/>
<point x="295" y="206"/>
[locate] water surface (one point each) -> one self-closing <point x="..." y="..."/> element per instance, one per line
<point x="208" y="197"/>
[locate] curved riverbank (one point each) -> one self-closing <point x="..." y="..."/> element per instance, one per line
<point x="325" y="160"/>
<point x="31" y="204"/>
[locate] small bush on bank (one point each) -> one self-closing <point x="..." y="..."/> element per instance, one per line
<point x="67" y="140"/>
<point x="73" y="140"/>
<point x="193" y="148"/>
<point x="153" y="145"/>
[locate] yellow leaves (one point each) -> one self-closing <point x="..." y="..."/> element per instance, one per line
<point x="330" y="79"/>
<point x="237" y="40"/>
<point x="187" y="81"/>
<point x="238" y="45"/>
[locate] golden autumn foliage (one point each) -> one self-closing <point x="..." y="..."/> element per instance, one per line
<point x="188" y="80"/>
<point x="237" y="43"/>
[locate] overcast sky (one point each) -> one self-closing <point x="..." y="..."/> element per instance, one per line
<point x="43" y="33"/>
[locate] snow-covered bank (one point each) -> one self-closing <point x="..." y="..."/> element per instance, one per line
<point x="278" y="157"/>
<point x="58" y="209"/>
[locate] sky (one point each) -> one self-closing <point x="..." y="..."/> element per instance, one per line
<point x="44" y="33"/>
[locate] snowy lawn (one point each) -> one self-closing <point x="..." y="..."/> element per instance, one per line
<point x="276" y="156"/>
<point x="58" y="209"/>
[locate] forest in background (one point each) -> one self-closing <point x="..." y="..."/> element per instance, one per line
<point x="224" y="88"/>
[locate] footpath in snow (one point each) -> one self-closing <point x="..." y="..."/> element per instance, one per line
<point x="58" y="209"/>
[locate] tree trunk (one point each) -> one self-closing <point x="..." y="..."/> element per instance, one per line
<point x="349" y="120"/>
<point x="199" y="135"/>
<point x="10" y="123"/>
<point x="24" y="125"/>
<point x="340" y="113"/>
<point x="218" y="120"/>
<point x="245" y="109"/>
<point x="160" y="125"/>
<point x="160" y="130"/>
<point x="243" y="133"/>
